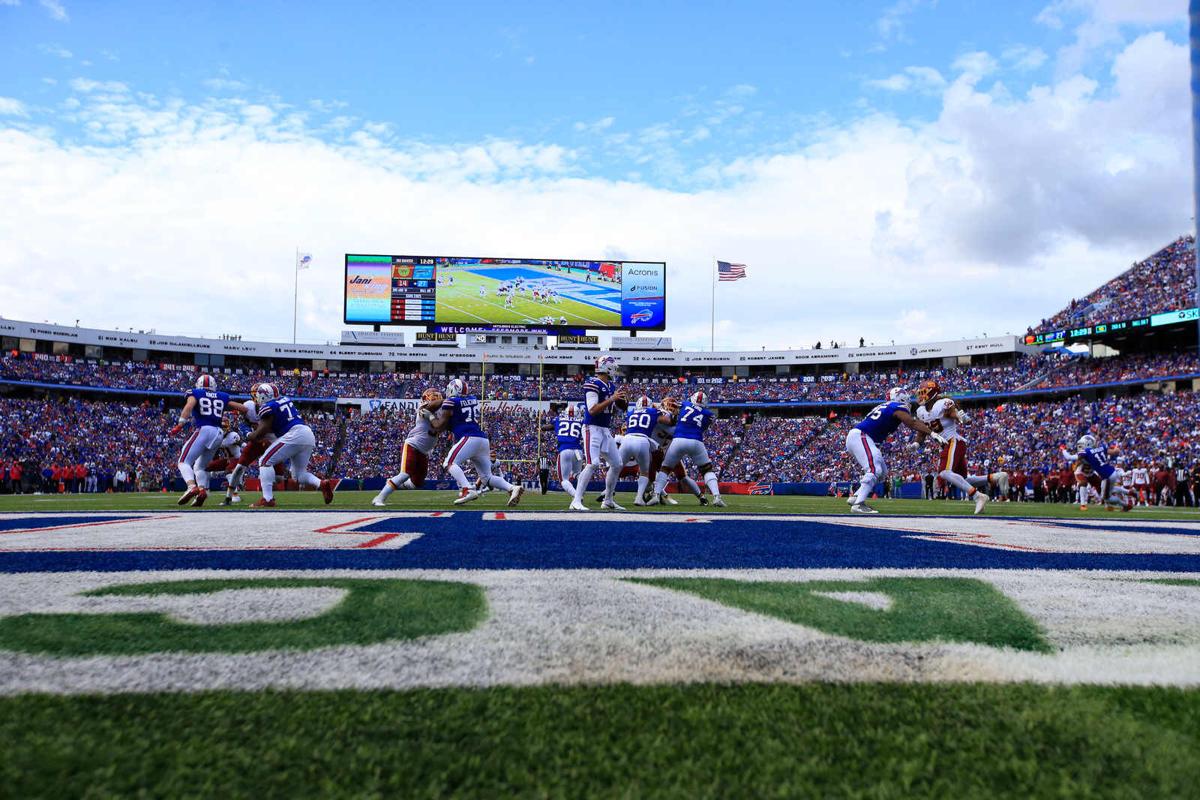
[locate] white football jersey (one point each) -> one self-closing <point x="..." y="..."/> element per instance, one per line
<point x="251" y="411"/>
<point x="939" y="412"/>
<point x="422" y="437"/>
<point x="663" y="433"/>
<point x="231" y="443"/>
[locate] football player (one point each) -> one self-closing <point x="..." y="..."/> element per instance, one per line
<point x="205" y="408"/>
<point x="637" y="445"/>
<point x="251" y="450"/>
<point x="942" y="415"/>
<point x="460" y="413"/>
<point x="226" y="458"/>
<point x="294" y="443"/>
<point x="693" y="420"/>
<point x="414" y="457"/>
<point x="567" y="428"/>
<point x="1093" y="470"/>
<point x="600" y="396"/>
<point x="863" y="440"/>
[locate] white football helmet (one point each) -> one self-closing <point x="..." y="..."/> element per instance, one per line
<point x="699" y="399"/>
<point x="607" y="365"/>
<point x="456" y="388"/>
<point x="206" y="381"/>
<point x="899" y="394"/>
<point x="1086" y="442"/>
<point x="266" y="393"/>
<point x="643" y="403"/>
<point x="570" y="412"/>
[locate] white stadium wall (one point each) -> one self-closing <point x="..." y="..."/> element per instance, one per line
<point x="994" y="345"/>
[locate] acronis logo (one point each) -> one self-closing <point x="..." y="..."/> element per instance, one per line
<point x="640" y="316"/>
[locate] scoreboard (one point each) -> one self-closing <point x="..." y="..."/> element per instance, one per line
<point x="391" y="290"/>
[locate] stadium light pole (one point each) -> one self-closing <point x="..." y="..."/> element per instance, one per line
<point x="1194" y="35"/>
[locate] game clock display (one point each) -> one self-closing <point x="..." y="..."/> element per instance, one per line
<point x="510" y="292"/>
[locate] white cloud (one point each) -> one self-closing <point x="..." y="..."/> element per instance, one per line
<point x="55" y="9"/>
<point x="1024" y="58"/>
<point x="986" y="218"/>
<point x="892" y="23"/>
<point x="56" y="50"/>
<point x="599" y="126"/>
<point x="1099" y="25"/>
<point x="922" y="79"/>
<point x="224" y="85"/>
<point x="11" y="107"/>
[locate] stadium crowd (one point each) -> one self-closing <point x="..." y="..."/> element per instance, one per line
<point x="1166" y="281"/>
<point x="1026" y="372"/>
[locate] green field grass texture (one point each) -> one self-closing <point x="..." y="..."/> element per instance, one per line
<point x="423" y="500"/>
<point x="461" y="304"/>
<point x="700" y="741"/>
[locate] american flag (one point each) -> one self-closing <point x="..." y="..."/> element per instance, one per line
<point x="730" y="272"/>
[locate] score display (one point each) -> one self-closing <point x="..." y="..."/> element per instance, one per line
<point x="507" y="293"/>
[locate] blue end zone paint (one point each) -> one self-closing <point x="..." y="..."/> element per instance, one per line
<point x="465" y="541"/>
<point x="1125" y="528"/>
<point x="26" y="523"/>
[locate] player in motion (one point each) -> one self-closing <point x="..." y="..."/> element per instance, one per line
<point x="226" y="458"/>
<point x="637" y="445"/>
<point x="693" y="420"/>
<point x="460" y="413"/>
<point x="863" y="440"/>
<point x="414" y="458"/>
<point x="294" y="442"/>
<point x="568" y="431"/>
<point x="600" y="394"/>
<point x="251" y="452"/>
<point x="204" y="408"/>
<point x="664" y="434"/>
<point x="1093" y="469"/>
<point x="943" y="416"/>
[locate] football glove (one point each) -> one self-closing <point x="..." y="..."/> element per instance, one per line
<point x="178" y="427"/>
<point x="937" y="437"/>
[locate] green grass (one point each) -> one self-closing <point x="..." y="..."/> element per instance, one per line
<point x="557" y="501"/>
<point x="878" y="741"/>
<point x="462" y="304"/>
<point x="923" y="609"/>
<point x="373" y="610"/>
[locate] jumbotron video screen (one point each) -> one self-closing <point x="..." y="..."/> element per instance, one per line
<point x="507" y="292"/>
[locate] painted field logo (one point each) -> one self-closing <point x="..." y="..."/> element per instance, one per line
<point x="371" y="611"/>
<point x="880" y="609"/>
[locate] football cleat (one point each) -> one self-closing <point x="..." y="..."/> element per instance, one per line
<point x="463" y="499"/>
<point x="611" y="505"/>
<point x="237" y="498"/>
<point x="671" y="501"/>
<point x="514" y="496"/>
<point x="640" y="501"/>
<point x="201" y="496"/>
<point x="577" y="506"/>
<point x="703" y="500"/>
<point x="981" y="500"/>
<point x="718" y="502"/>
<point x="227" y="500"/>
<point x="188" y="496"/>
<point x="862" y="508"/>
<point x="263" y="503"/>
<point x="378" y="502"/>
<point x="327" y="491"/>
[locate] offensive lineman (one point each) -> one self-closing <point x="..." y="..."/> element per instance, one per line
<point x="599" y="396"/>
<point x="693" y="420"/>
<point x="251" y="451"/>
<point x="637" y="444"/>
<point x="863" y="440"/>
<point x="414" y="458"/>
<point x="294" y="442"/>
<point x="460" y="413"/>
<point x="205" y="407"/>
<point x="943" y="416"/>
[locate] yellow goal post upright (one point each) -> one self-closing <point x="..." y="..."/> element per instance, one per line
<point x="511" y="463"/>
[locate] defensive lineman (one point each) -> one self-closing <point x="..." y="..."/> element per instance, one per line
<point x="694" y="419"/>
<point x="862" y="442"/>
<point x="599" y="396"/>
<point x="251" y="451"/>
<point x="414" y="458"/>
<point x="294" y="442"/>
<point x="944" y="416"/>
<point x="460" y="413"/>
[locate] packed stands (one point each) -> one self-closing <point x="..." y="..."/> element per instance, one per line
<point x="1166" y="281"/>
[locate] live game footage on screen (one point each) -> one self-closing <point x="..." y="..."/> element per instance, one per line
<point x="481" y="292"/>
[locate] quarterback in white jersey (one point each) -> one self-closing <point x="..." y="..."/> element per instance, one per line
<point x="944" y="416"/>
<point x="418" y="445"/>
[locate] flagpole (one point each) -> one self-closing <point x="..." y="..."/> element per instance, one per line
<point x="295" y="292"/>
<point x="712" y="326"/>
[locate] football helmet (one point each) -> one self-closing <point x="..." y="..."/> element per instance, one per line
<point x="254" y="390"/>
<point x="431" y="396"/>
<point x="928" y="390"/>
<point x="670" y="404"/>
<point x="699" y="399"/>
<point x="899" y="394"/>
<point x="206" y="381"/>
<point x="266" y="393"/>
<point x="1086" y="442"/>
<point x="607" y="365"/>
<point x="456" y="388"/>
<point x="643" y="403"/>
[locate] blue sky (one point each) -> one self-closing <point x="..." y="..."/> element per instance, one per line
<point x="692" y="113"/>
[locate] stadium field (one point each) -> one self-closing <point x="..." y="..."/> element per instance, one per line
<point x="779" y="647"/>
<point x="585" y="305"/>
